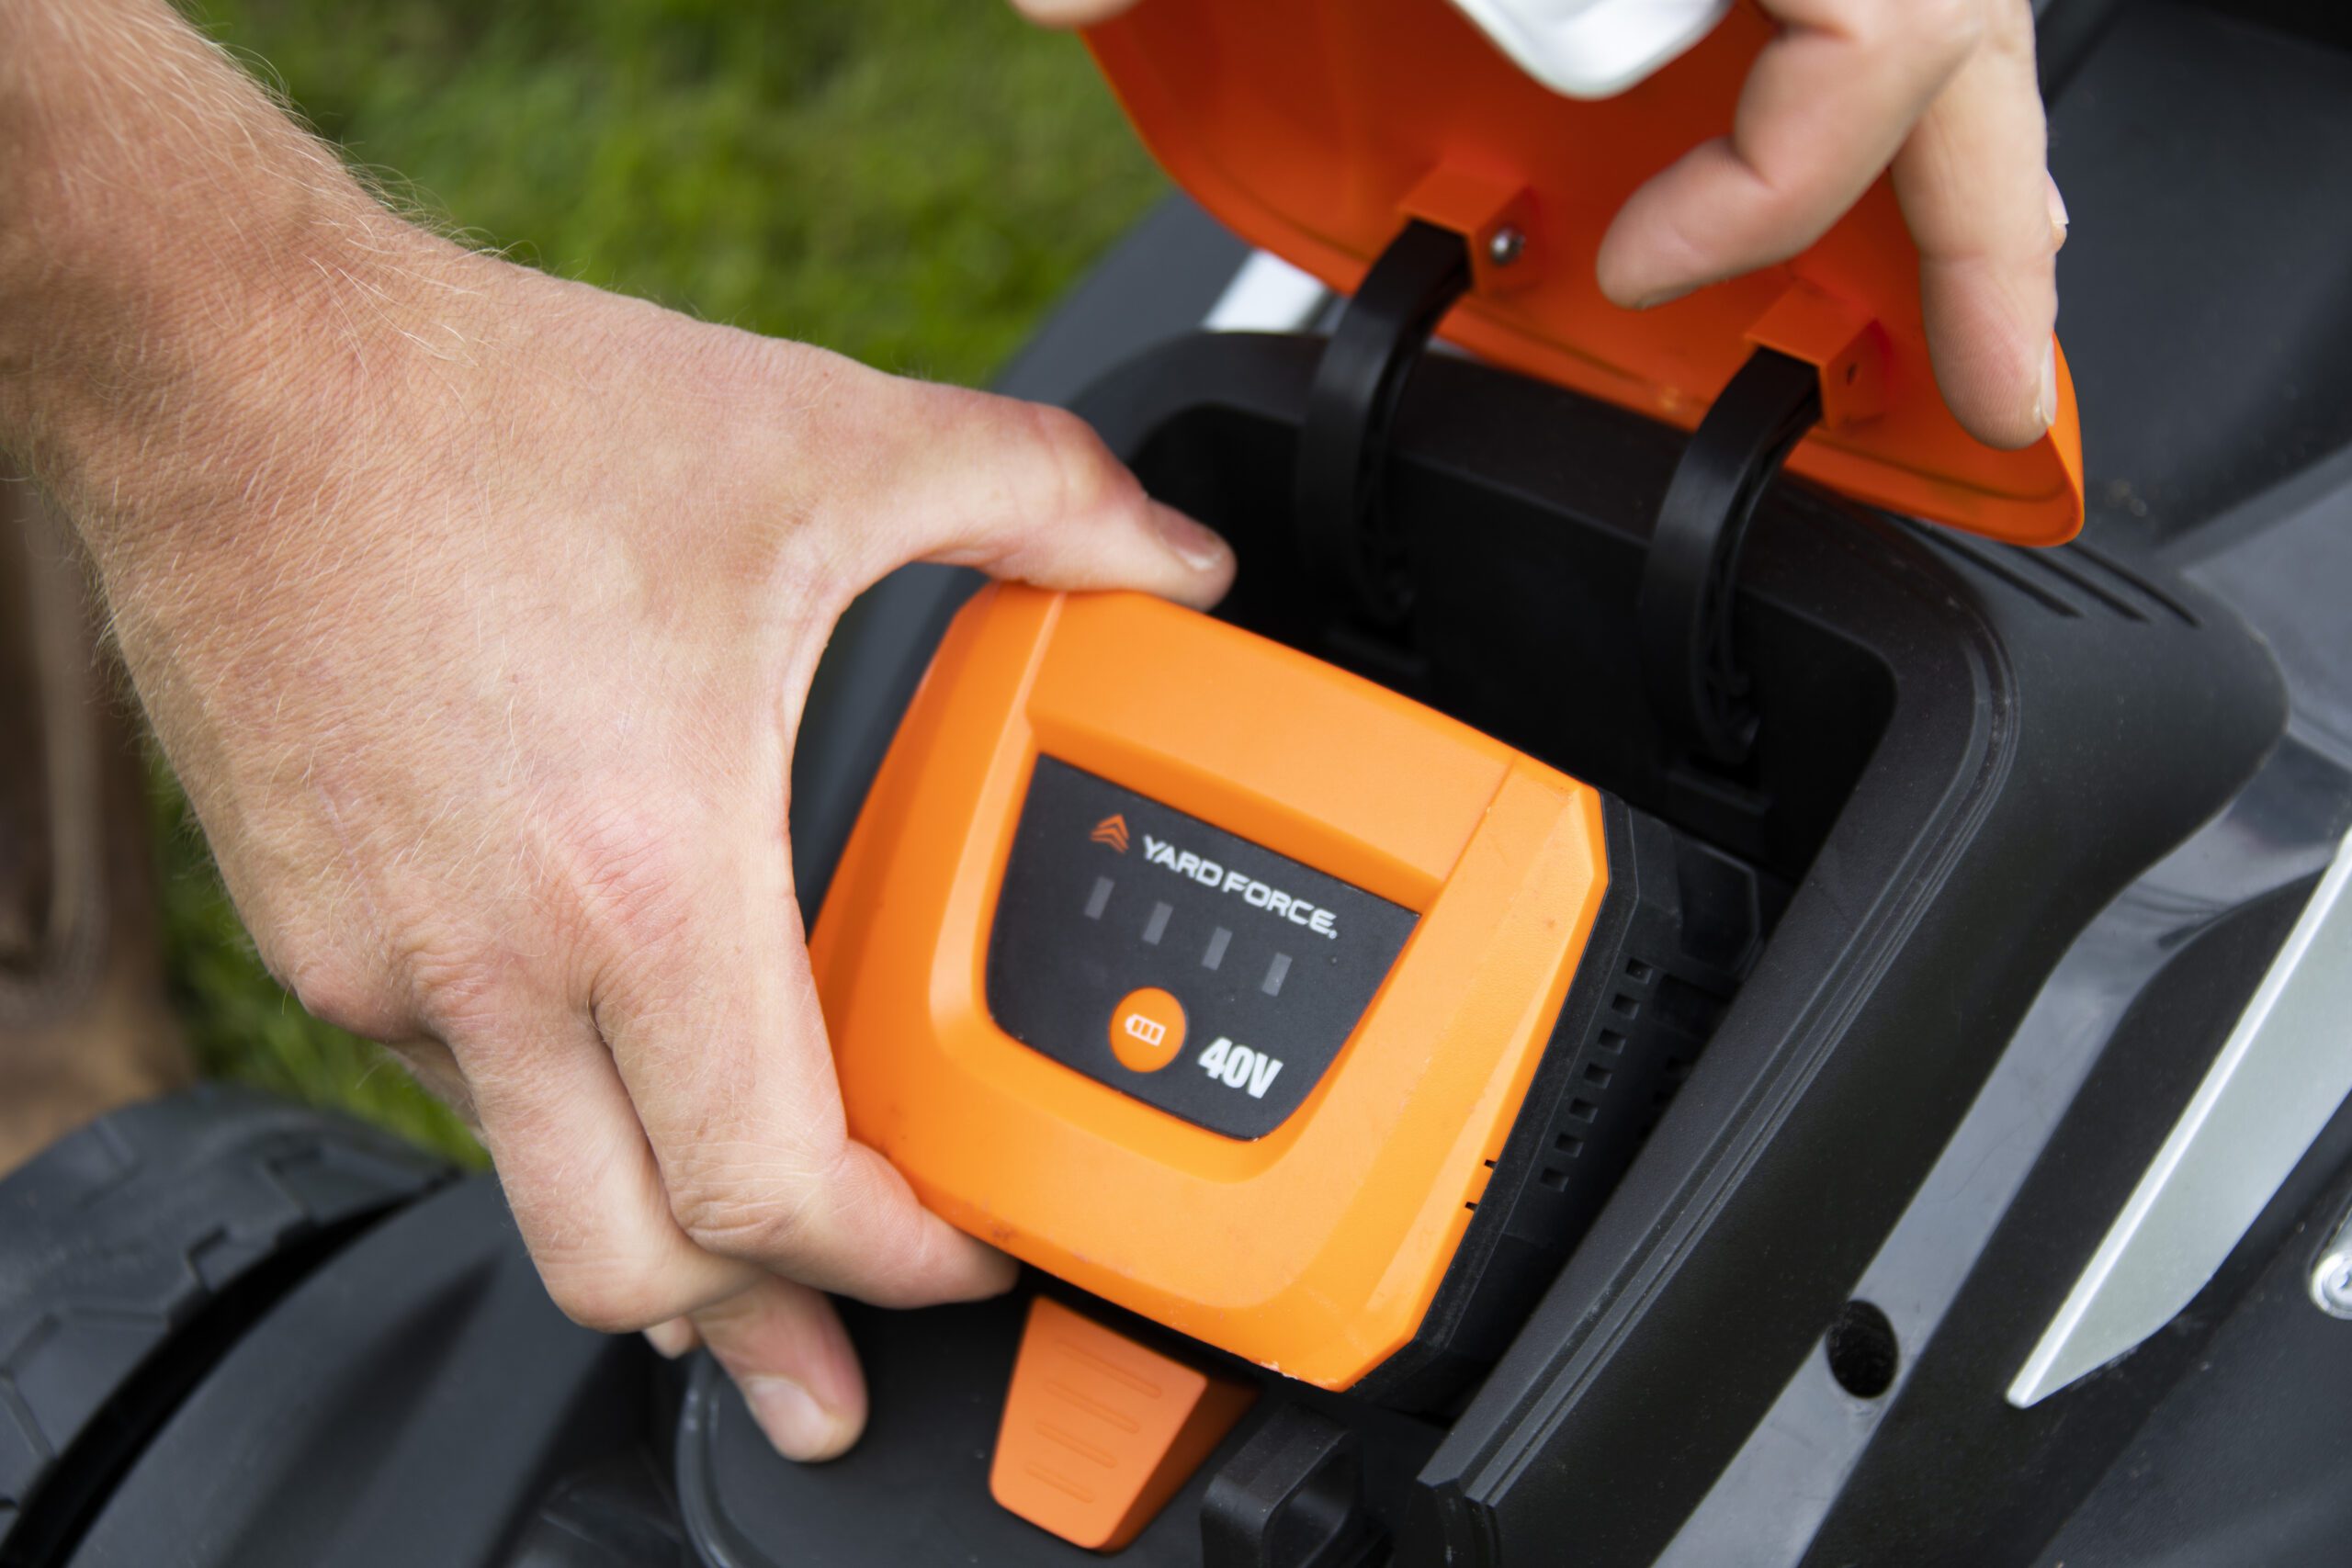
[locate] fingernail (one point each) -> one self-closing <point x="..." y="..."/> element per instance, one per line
<point x="672" y="1338"/>
<point x="2057" y="212"/>
<point x="2046" y="408"/>
<point x="1196" y="546"/>
<point x="799" y="1427"/>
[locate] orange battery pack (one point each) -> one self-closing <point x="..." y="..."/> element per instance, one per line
<point x="1226" y="986"/>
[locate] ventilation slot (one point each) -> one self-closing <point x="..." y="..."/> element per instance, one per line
<point x="2132" y="583"/>
<point x="2072" y="580"/>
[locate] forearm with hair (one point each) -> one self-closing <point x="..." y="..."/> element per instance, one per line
<point x="195" y="295"/>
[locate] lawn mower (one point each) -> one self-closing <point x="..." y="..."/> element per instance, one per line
<point x="1694" y="969"/>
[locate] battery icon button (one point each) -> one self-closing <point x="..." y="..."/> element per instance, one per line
<point x="1148" y="1029"/>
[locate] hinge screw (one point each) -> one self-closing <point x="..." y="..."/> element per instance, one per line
<point x="1504" y="245"/>
<point x="2331" y="1283"/>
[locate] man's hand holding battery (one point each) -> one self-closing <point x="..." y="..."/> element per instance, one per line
<point x="476" y="610"/>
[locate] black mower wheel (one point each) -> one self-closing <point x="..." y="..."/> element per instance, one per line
<point x="134" y="1251"/>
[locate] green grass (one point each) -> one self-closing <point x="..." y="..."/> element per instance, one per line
<point x="911" y="182"/>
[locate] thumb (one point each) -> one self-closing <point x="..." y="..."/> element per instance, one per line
<point x="1020" y="491"/>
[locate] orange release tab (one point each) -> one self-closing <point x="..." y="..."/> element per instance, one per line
<point x="1099" y="1431"/>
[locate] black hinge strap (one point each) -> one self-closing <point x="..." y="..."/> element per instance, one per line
<point x="1699" y="689"/>
<point x="1350" y="549"/>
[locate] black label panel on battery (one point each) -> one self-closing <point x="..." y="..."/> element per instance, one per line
<point x="1113" y="903"/>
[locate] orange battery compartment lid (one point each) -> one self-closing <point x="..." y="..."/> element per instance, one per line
<point x="1316" y="1249"/>
<point x="1099" y="1431"/>
<point x="1316" y="128"/>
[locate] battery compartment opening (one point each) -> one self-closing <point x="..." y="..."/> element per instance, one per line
<point x="1522" y="622"/>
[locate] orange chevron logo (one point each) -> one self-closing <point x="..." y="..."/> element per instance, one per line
<point x="1111" y="830"/>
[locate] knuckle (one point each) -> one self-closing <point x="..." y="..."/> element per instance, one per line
<point x="1077" y="473"/>
<point x="605" y="1264"/>
<point x="457" y="992"/>
<point x="337" y="989"/>
<point x="760" y="1207"/>
<point x="2010" y="26"/>
<point x="609" y="1300"/>
<point x="410" y="978"/>
<point x="2012" y="31"/>
<point x="720" y="1216"/>
<point x="1945" y="30"/>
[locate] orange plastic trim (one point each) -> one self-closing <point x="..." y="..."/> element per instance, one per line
<point x="1480" y="210"/>
<point x="1316" y="1249"/>
<point x="1099" y="1431"/>
<point x="1309" y="126"/>
<point x="1846" y="346"/>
